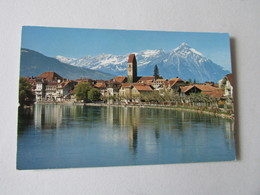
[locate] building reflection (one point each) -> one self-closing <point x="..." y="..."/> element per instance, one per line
<point x="129" y="119"/>
<point x="48" y="116"/>
<point x="229" y="133"/>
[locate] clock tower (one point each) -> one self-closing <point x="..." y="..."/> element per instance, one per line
<point x="132" y="69"/>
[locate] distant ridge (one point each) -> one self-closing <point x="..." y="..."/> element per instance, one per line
<point x="184" y="62"/>
<point x="33" y="63"/>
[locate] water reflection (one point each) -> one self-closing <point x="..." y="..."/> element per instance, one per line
<point x="81" y="136"/>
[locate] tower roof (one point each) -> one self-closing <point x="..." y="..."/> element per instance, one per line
<point x="131" y="58"/>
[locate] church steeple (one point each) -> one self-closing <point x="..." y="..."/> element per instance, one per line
<point x="132" y="69"/>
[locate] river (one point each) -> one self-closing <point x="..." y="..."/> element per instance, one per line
<point x="70" y="136"/>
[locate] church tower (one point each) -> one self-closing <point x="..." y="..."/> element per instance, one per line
<point x="132" y="69"/>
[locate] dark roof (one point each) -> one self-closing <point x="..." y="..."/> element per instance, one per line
<point x="131" y="58"/>
<point x="230" y="78"/>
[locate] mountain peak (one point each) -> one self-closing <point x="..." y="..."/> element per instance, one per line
<point x="184" y="45"/>
<point x="184" y="50"/>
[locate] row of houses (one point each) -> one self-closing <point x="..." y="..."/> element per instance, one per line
<point x="50" y="86"/>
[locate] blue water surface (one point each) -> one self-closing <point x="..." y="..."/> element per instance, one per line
<point x="66" y="136"/>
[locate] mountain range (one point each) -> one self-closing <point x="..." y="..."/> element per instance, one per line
<point x="184" y="62"/>
<point x="33" y="63"/>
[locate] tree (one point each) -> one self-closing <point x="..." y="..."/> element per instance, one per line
<point x="81" y="91"/>
<point x="156" y="72"/>
<point x="25" y="92"/>
<point x="94" y="94"/>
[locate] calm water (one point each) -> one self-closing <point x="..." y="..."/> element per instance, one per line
<point x="62" y="136"/>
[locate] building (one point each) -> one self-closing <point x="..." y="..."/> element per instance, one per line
<point x="174" y="84"/>
<point x="120" y="79"/>
<point x="132" y="91"/>
<point x="227" y="84"/>
<point x="50" y="76"/>
<point x="52" y="87"/>
<point x="132" y="69"/>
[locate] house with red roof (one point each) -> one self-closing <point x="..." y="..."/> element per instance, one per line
<point x="51" y="76"/>
<point x="134" y="90"/>
<point x="227" y="84"/>
<point x="120" y="79"/>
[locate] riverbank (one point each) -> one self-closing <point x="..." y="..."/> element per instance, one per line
<point x="217" y="113"/>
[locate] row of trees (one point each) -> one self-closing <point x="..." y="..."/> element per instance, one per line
<point x="86" y="92"/>
<point x="26" y="96"/>
<point x="194" y="99"/>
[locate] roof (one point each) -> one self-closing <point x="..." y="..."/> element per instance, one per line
<point x="184" y="89"/>
<point x="161" y="80"/>
<point x="205" y="87"/>
<point x="131" y="58"/>
<point x="124" y="85"/>
<point x="84" y="80"/>
<point x="176" y="79"/>
<point x="50" y="76"/>
<point x="146" y="78"/>
<point x="217" y="93"/>
<point x="130" y="84"/>
<point x="143" y="88"/>
<point x="52" y="83"/>
<point x="173" y="81"/>
<point x="100" y="85"/>
<point x="119" y="79"/>
<point x="230" y="78"/>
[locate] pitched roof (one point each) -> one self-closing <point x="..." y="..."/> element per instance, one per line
<point x="173" y="81"/>
<point x="119" y="79"/>
<point x="50" y="76"/>
<point x="230" y="78"/>
<point x="124" y="85"/>
<point x="131" y="58"/>
<point x="100" y="85"/>
<point x="146" y="78"/>
<point x="205" y="87"/>
<point x="184" y="89"/>
<point x="217" y="93"/>
<point x="143" y="88"/>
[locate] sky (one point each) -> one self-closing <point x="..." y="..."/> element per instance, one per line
<point x="77" y="43"/>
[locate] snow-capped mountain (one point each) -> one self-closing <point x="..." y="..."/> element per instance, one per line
<point x="183" y="61"/>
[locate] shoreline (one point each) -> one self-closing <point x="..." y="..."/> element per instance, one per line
<point x="222" y="115"/>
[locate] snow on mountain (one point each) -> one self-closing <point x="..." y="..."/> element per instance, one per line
<point x="66" y="60"/>
<point x="183" y="61"/>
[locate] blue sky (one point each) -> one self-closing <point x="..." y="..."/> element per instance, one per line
<point x="74" y="42"/>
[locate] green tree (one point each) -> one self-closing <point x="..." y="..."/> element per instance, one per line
<point x="81" y="91"/>
<point x="156" y="72"/>
<point x="25" y="92"/>
<point x="94" y="94"/>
